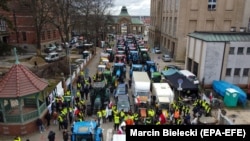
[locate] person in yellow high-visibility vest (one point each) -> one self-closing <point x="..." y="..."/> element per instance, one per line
<point x="82" y="73"/>
<point x="104" y="113"/>
<point x="116" y="122"/>
<point x="99" y="116"/>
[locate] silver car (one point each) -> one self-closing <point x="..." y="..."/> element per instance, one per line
<point x="166" y="58"/>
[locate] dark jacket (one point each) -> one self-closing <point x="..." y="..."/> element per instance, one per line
<point x="51" y="136"/>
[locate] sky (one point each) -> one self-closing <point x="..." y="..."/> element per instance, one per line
<point x="134" y="7"/>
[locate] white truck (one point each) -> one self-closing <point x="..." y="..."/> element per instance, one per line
<point x="141" y="88"/>
<point x="164" y="95"/>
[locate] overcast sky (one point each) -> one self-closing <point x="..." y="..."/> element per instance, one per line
<point x="134" y="7"/>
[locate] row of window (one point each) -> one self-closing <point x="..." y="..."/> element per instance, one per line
<point x="48" y="34"/>
<point x="240" y="50"/>
<point x="237" y="72"/>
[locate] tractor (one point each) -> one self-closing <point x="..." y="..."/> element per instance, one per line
<point x="150" y="67"/>
<point x="119" y="71"/>
<point x="135" y="67"/>
<point x="98" y="96"/>
<point x="120" y="58"/>
<point x="111" y="54"/>
<point x="133" y="57"/>
<point x="156" y="77"/>
<point x="86" y="131"/>
<point x="144" y="56"/>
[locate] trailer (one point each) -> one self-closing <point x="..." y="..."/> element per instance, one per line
<point x="141" y="89"/>
<point x="163" y="94"/>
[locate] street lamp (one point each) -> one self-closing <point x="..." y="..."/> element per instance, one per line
<point x="70" y="75"/>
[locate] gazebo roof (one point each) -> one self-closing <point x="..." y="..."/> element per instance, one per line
<point x="20" y="81"/>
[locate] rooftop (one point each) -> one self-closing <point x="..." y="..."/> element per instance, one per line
<point x="221" y="36"/>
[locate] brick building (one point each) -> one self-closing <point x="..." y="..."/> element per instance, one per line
<point x="24" y="32"/>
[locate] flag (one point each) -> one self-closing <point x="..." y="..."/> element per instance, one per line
<point x="110" y="104"/>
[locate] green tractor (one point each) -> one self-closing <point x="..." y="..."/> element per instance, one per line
<point x="110" y="80"/>
<point x="156" y="77"/>
<point x="98" y="96"/>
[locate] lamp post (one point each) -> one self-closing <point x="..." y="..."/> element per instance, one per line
<point x="70" y="75"/>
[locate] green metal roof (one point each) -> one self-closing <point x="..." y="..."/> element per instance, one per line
<point x="221" y="36"/>
<point x="124" y="11"/>
<point x="136" y="21"/>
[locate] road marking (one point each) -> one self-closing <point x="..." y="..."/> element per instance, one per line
<point x="109" y="134"/>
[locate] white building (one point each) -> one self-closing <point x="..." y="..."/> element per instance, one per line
<point x="219" y="56"/>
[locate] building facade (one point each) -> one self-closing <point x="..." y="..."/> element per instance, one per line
<point x="23" y="33"/>
<point x="172" y="20"/>
<point x="219" y="56"/>
<point x="126" y="24"/>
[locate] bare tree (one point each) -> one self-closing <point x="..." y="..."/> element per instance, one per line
<point x="61" y="16"/>
<point x="40" y="10"/>
<point x="84" y="8"/>
<point x="100" y="9"/>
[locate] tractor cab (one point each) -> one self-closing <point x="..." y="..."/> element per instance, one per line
<point x="119" y="70"/>
<point x="144" y="56"/>
<point x="133" y="57"/>
<point x="97" y="96"/>
<point x="156" y="77"/>
<point x="111" y="54"/>
<point x="135" y="67"/>
<point x="120" y="58"/>
<point x="85" y="54"/>
<point x="150" y="66"/>
<point x="86" y="131"/>
<point x="101" y="68"/>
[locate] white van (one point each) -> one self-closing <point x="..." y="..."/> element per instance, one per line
<point x="190" y="76"/>
<point x="53" y="56"/>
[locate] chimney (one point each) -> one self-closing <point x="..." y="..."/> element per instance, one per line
<point x="242" y="29"/>
<point x="233" y="29"/>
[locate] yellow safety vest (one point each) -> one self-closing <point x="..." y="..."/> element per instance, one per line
<point x="117" y="120"/>
<point x="99" y="113"/>
<point x="122" y="114"/>
<point x="103" y="113"/>
<point x="68" y="93"/>
<point x="78" y="94"/>
<point x="158" y="123"/>
<point x="136" y="116"/>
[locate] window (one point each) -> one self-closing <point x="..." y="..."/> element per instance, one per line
<point x="54" y="33"/>
<point x="228" y="72"/>
<point x="248" y="50"/>
<point x="240" y="50"/>
<point x="2" y="25"/>
<point x="237" y="72"/>
<point x="43" y="35"/>
<point x="24" y="36"/>
<point x="211" y="5"/>
<point x="49" y="34"/>
<point x="245" y="71"/>
<point x="231" y="50"/>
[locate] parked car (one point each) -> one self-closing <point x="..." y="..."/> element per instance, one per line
<point x="59" y="48"/>
<point x="166" y="58"/>
<point x="50" y="49"/>
<point x="53" y="56"/>
<point x="157" y="50"/>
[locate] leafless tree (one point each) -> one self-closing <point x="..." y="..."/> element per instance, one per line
<point x="100" y="10"/>
<point x="40" y="10"/>
<point x="60" y="17"/>
<point x="83" y="9"/>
